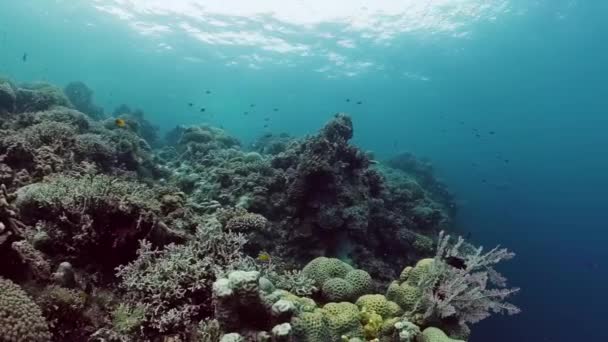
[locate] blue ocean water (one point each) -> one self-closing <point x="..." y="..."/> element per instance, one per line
<point x="507" y="98"/>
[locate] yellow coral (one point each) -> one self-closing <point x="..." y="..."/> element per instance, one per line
<point x="372" y="323"/>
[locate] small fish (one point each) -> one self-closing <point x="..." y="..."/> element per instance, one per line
<point x="276" y="109"/>
<point x="484" y="181"/>
<point x="245" y="113"/>
<point x="456" y="262"/>
<point x="252" y="105"/>
<point x="263" y="256"/>
<point x="202" y="110"/>
<point x="120" y="123"/>
<point x="359" y="102"/>
<point x="492" y="132"/>
<point x="266" y="119"/>
<point x="24" y="57"/>
<point x="462" y="122"/>
<point x="477" y="135"/>
<point x="347" y="100"/>
<point x="190" y="104"/>
<point x="207" y="91"/>
<point x="506" y="161"/>
<point x="374" y="162"/>
<point x="266" y="126"/>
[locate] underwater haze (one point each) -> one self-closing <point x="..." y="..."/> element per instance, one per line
<point x="506" y="98"/>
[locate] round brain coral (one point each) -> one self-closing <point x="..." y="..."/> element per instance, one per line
<point x="337" y="290"/>
<point x="20" y="318"/>
<point x="343" y="319"/>
<point x="405" y="295"/>
<point x="311" y="327"/>
<point x="415" y="274"/>
<point x="361" y="282"/>
<point x="432" y="334"/>
<point x="378" y="304"/>
<point x="321" y="269"/>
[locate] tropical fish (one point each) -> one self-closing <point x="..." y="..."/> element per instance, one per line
<point x="120" y="123"/>
<point x="263" y="256"/>
<point x="456" y="262"/>
<point x="24" y="58"/>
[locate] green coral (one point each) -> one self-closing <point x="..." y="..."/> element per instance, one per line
<point x="311" y="327"/>
<point x="321" y="269"/>
<point x="337" y="290"/>
<point x="380" y="305"/>
<point x="432" y="334"/>
<point x="361" y="282"/>
<point x="406" y="295"/>
<point x="20" y="318"/>
<point x="372" y="323"/>
<point x="127" y="318"/>
<point x="343" y="319"/>
<point x="406" y="292"/>
<point x="338" y="280"/>
<point x="422" y="267"/>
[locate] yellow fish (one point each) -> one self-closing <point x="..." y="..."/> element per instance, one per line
<point x="120" y="123"/>
<point x="263" y="257"/>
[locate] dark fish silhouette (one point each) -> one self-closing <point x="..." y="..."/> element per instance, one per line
<point x="266" y="126"/>
<point x="347" y="100"/>
<point x="276" y="109"/>
<point x="252" y="105"/>
<point x="267" y="119"/>
<point x="456" y="262"/>
<point x="506" y="161"/>
<point x="202" y="110"/>
<point x="477" y="135"/>
<point x="190" y="104"/>
<point x="245" y="113"/>
<point x="359" y="102"/>
<point x="208" y="92"/>
<point x="24" y="58"/>
<point x="492" y="132"/>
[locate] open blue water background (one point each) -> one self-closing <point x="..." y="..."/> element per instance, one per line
<point x="533" y="72"/>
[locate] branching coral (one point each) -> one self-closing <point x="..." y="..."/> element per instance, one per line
<point x="87" y="217"/>
<point x="174" y="284"/>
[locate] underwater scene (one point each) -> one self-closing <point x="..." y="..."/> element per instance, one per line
<point x="303" y="170"/>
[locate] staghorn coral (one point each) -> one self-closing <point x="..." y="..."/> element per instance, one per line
<point x="174" y="284"/>
<point x="20" y="318"/>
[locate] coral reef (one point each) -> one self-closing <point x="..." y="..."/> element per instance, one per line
<point x="81" y="97"/>
<point x="107" y="234"/>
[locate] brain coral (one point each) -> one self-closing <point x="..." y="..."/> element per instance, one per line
<point x="432" y="334"/>
<point x="20" y="318"/>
